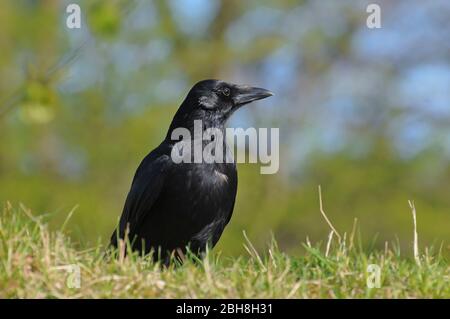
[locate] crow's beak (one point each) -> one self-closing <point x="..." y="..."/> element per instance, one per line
<point x="246" y="94"/>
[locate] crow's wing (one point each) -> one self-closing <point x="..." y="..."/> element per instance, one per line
<point x="145" y="190"/>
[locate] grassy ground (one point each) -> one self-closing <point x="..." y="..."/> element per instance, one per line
<point x="31" y="258"/>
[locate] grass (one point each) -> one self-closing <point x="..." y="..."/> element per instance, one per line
<point x="31" y="257"/>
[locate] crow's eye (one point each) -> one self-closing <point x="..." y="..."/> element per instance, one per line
<point x="226" y="91"/>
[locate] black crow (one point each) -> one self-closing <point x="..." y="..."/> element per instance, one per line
<point x="172" y="205"/>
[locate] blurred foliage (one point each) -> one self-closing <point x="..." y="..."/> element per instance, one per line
<point x="80" y="109"/>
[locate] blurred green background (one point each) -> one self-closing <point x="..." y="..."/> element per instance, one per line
<point x="363" y="112"/>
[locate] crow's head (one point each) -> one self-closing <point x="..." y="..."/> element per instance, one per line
<point x="222" y="99"/>
<point x="214" y="100"/>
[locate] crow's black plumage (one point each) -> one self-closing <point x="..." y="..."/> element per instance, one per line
<point x="172" y="205"/>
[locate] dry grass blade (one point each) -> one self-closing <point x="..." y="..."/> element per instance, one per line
<point x="69" y="216"/>
<point x="252" y="251"/>
<point x="330" y="238"/>
<point x="352" y="234"/>
<point x="416" y="237"/>
<point x="325" y="215"/>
